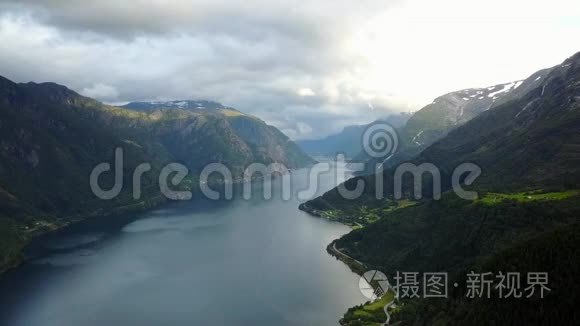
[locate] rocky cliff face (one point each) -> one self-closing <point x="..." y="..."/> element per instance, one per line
<point x="245" y="139"/>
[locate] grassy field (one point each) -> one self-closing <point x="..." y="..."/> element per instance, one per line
<point x="368" y="314"/>
<point x="493" y="198"/>
<point x="365" y="214"/>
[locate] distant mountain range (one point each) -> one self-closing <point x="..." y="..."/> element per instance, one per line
<point x="349" y="140"/>
<point x="51" y="138"/>
<point x="525" y="137"/>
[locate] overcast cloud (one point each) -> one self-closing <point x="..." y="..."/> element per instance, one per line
<point x="293" y="64"/>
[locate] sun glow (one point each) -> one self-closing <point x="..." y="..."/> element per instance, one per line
<point x="410" y="54"/>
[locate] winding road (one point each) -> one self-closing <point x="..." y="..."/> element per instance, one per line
<point x="345" y="255"/>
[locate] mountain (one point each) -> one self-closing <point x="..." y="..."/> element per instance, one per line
<point x="447" y="112"/>
<point x="526" y="216"/>
<point x="183" y="104"/>
<point x="236" y="139"/>
<point x="530" y="140"/>
<point x="51" y="138"/>
<point x="348" y="141"/>
<point x="527" y="141"/>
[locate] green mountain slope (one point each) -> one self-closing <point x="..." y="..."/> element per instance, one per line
<point x="51" y="138"/>
<point x="549" y="252"/>
<point x="527" y="146"/>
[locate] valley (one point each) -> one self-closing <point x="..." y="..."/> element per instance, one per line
<point x="259" y="163"/>
<point x="522" y="136"/>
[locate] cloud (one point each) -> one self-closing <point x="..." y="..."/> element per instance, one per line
<point x="303" y="128"/>
<point x="305" y="92"/>
<point x="102" y="91"/>
<point x="291" y="64"/>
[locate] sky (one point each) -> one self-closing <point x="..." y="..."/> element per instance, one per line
<point x="307" y="67"/>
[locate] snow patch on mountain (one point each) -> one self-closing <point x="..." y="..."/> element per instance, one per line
<point x="415" y="141"/>
<point x="504" y="88"/>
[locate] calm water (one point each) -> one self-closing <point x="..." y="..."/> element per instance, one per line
<point x="240" y="262"/>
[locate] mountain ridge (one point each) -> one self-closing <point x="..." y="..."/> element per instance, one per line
<point x="446" y="113"/>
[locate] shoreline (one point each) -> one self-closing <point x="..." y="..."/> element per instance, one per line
<point x="58" y="224"/>
<point x="356" y="266"/>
